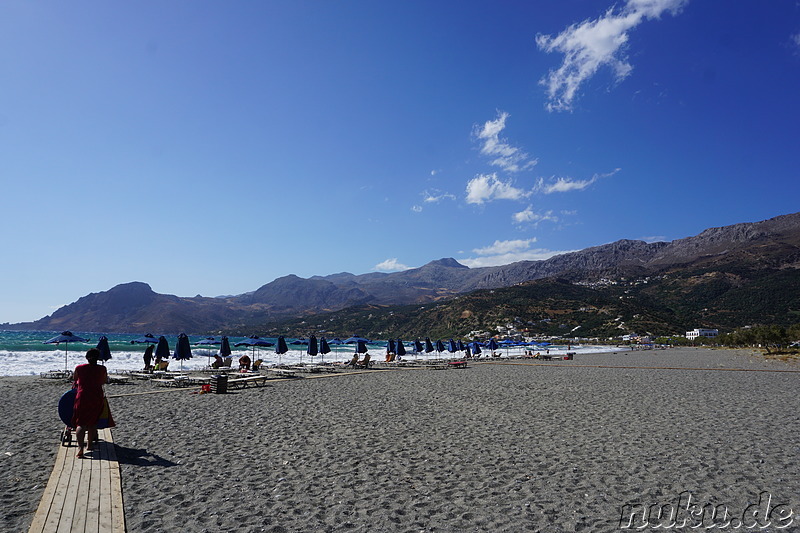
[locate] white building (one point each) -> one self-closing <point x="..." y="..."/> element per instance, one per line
<point x="700" y="332"/>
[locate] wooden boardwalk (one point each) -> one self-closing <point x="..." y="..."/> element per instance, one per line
<point x="83" y="495"/>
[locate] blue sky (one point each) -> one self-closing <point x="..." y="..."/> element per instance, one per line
<point x="210" y="147"/>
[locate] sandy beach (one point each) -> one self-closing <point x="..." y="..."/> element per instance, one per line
<point x="513" y="446"/>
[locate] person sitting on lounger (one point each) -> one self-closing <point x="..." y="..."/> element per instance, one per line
<point x="354" y="360"/>
<point x="217" y="362"/>
<point x="244" y="362"/>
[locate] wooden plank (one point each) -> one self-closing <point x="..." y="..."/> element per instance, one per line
<point x="81" y="495"/>
<point x="104" y="516"/>
<point x="70" y="486"/>
<point x="117" y="507"/>
<point x="92" y="515"/>
<point x="46" y="503"/>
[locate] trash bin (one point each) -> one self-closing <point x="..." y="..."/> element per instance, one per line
<point x="219" y="384"/>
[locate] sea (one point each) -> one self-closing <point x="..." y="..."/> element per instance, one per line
<point x="24" y="353"/>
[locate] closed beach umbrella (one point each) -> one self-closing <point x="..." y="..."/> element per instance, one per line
<point x="461" y="347"/>
<point x="66" y="337"/>
<point x="401" y="350"/>
<point x="452" y="347"/>
<point x="439" y="348"/>
<point x="281" y="348"/>
<point x="428" y="345"/>
<point x="105" y="351"/>
<point x="361" y="347"/>
<point x="418" y="346"/>
<point x="476" y="347"/>
<point x="390" y="347"/>
<point x="492" y="345"/>
<point x="162" y="349"/>
<point x="324" y="347"/>
<point x="147" y="337"/>
<point x="313" y="349"/>
<point x="225" y="347"/>
<point x="183" y="351"/>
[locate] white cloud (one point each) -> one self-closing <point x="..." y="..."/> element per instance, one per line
<point x="594" y="43"/>
<point x="505" y="247"/>
<point x="436" y="196"/>
<point x="416" y="208"/>
<point x="505" y="252"/>
<point x="390" y="265"/>
<point x="505" y="156"/>
<point x="567" y="184"/>
<point x="486" y="187"/>
<point x="528" y="216"/>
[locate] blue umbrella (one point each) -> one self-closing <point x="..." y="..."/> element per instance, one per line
<point x="428" y="345"/>
<point x="401" y="350"/>
<point x="225" y="348"/>
<point x="335" y="340"/>
<point x="492" y="345"/>
<point x="66" y="337"/>
<point x="183" y="351"/>
<point x="298" y="342"/>
<point x="162" y="349"/>
<point x="418" y="346"/>
<point x="452" y="347"/>
<point x="312" y="347"/>
<point x="390" y="347"/>
<point x="208" y="341"/>
<point x="252" y="341"/>
<point x="281" y="347"/>
<point x="361" y="347"/>
<point x="354" y="339"/>
<point x="461" y="347"/>
<point x="105" y="350"/>
<point x="324" y="347"/>
<point x="467" y="352"/>
<point x="476" y="347"/>
<point x="439" y="348"/>
<point x="147" y="337"/>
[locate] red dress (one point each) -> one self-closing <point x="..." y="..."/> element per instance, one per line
<point x="89" y="402"/>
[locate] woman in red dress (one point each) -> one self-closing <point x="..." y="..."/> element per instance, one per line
<point x="90" y="399"/>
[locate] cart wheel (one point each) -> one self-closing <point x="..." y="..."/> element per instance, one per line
<point x="66" y="437"/>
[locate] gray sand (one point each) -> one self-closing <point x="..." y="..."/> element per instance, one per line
<point x="495" y="447"/>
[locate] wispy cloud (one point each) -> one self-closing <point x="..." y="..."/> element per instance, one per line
<point x="486" y="187"/>
<point x="391" y="265"/>
<point x="591" y="44"/>
<point x="505" y="156"/>
<point x="505" y="252"/>
<point x="567" y="184"/>
<point x="436" y="196"/>
<point x="796" y="41"/>
<point x="528" y="216"/>
<point x="416" y="208"/>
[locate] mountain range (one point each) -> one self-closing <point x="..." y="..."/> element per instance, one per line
<point x="748" y="265"/>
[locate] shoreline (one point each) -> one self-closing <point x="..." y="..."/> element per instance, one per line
<point x="496" y="446"/>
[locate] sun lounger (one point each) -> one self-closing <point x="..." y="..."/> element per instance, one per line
<point x="284" y="372"/>
<point x="241" y="383"/>
<point x="56" y="374"/>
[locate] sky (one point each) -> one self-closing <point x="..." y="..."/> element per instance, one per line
<point x="209" y="147"/>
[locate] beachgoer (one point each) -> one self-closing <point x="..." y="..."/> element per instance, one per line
<point x="148" y="357"/>
<point x="90" y="399"/>
<point x="217" y="361"/>
<point x="244" y="362"/>
<point x="354" y="360"/>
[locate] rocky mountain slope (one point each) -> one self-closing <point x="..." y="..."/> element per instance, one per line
<point x="745" y="257"/>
